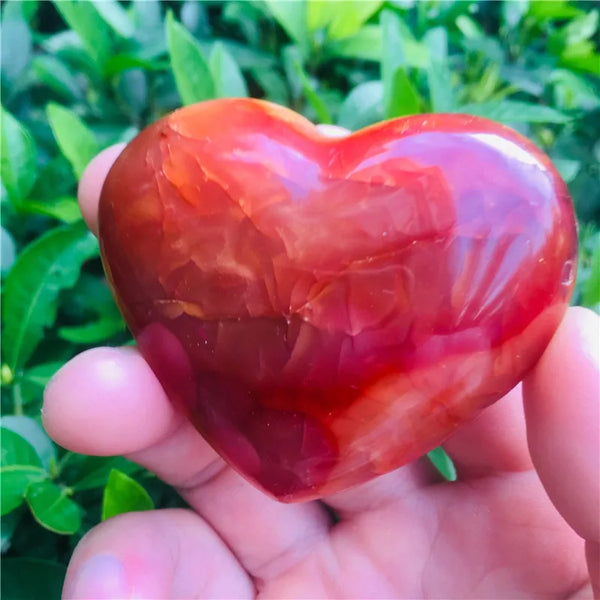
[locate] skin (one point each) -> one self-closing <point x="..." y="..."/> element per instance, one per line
<point x="518" y="523"/>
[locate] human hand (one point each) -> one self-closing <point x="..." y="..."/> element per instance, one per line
<point x="528" y="491"/>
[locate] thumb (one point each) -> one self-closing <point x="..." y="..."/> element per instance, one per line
<point x="562" y="410"/>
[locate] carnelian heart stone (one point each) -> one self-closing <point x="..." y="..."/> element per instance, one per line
<point x="326" y="310"/>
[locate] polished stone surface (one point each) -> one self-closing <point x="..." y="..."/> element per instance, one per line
<point x="326" y="310"/>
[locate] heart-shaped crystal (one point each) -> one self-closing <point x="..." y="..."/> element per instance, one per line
<point x="325" y="310"/>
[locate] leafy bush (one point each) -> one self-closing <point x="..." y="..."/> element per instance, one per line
<point x="80" y="75"/>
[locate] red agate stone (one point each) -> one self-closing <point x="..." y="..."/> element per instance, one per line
<point x="326" y="310"/>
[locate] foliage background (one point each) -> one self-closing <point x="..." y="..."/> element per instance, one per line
<point x="80" y="75"/>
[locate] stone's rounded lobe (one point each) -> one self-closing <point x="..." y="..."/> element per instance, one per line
<point x="326" y="310"/>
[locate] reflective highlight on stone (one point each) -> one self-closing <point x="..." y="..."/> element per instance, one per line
<point x="326" y="310"/>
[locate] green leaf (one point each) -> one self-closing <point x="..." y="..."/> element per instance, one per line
<point x="313" y="97"/>
<point x="588" y="62"/>
<point x="75" y="140"/>
<point x="591" y="288"/>
<point x="41" y="374"/>
<point x="319" y="14"/>
<point x="405" y="99"/>
<point x="439" y="80"/>
<point x="14" y="481"/>
<point x="441" y="91"/>
<point x="392" y="58"/>
<point x="18" y="158"/>
<point x="436" y="40"/>
<point x="123" y="494"/>
<point x="19" y="466"/>
<point x="486" y="85"/>
<point x="468" y="27"/>
<point x="572" y="91"/>
<point x="8" y="251"/>
<point x="8" y="525"/>
<point x="32" y="432"/>
<point x="366" y="44"/>
<point x="292" y="16"/>
<point x="122" y="62"/>
<point x="93" y="333"/>
<point x="557" y="9"/>
<point x="580" y="29"/>
<point x="363" y="106"/>
<point x="17" y="451"/>
<point x="567" y="168"/>
<point x="513" y="111"/>
<point x="16" y="44"/>
<point x="149" y="29"/>
<point x="272" y="84"/>
<point x="348" y="21"/>
<point x="52" y="508"/>
<point x="31" y="579"/>
<point x="192" y="72"/>
<point x="340" y="23"/>
<point x="29" y="9"/>
<point x="513" y="11"/>
<point x="50" y="71"/>
<point x="83" y="18"/>
<point x="443" y="463"/>
<point x="55" y="180"/>
<point x="226" y="74"/>
<point x="65" y="209"/>
<point x="48" y="265"/>
<point x="115" y="16"/>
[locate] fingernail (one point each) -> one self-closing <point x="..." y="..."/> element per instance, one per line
<point x="102" y="577"/>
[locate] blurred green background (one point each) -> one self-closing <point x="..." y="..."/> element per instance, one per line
<point x="80" y="75"/>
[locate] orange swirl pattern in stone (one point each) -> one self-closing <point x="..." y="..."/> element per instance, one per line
<point x="326" y="310"/>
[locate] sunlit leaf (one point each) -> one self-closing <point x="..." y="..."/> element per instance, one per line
<point x="123" y="494"/>
<point x="557" y="9"/>
<point x="340" y="23"/>
<point x="115" y="16"/>
<point x="83" y="18"/>
<point x="405" y="99"/>
<point x="74" y="138"/>
<point x="292" y="16"/>
<point x="191" y="70"/>
<point x="65" y="209"/>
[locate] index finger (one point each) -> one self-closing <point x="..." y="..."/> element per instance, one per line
<point x="91" y="182"/>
